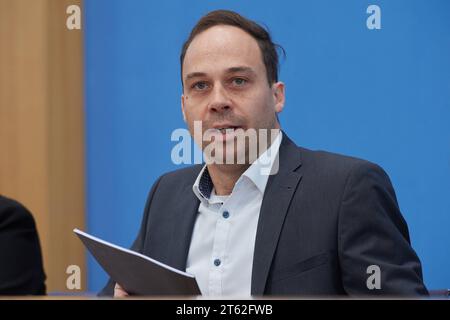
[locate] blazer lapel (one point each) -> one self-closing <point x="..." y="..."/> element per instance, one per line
<point x="187" y="207"/>
<point x="277" y="198"/>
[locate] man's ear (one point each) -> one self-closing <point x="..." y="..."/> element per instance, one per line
<point x="278" y="90"/>
<point x="182" y="107"/>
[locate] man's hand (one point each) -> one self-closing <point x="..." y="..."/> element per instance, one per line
<point x="119" y="292"/>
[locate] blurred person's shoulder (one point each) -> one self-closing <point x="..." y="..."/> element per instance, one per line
<point x="14" y="213"/>
<point x="21" y="267"/>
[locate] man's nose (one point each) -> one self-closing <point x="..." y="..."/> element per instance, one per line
<point x="219" y="100"/>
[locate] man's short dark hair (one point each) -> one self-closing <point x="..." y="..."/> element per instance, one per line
<point x="231" y="18"/>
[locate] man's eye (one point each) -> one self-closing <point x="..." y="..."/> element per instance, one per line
<point x="200" y="85"/>
<point x="239" y="81"/>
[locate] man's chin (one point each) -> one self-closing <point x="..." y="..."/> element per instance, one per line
<point x="230" y="157"/>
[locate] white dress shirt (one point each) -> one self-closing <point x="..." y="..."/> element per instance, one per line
<point x="223" y="240"/>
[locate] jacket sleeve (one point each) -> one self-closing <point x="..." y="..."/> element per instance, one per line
<point x="375" y="253"/>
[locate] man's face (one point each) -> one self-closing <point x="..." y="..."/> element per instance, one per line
<point x="225" y="83"/>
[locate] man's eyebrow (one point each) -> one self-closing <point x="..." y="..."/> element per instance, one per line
<point x="240" y="69"/>
<point x="194" y="75"/>
<point x="229" y="70"/>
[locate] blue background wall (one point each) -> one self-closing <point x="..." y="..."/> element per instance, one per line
<point x="383" y="95"/>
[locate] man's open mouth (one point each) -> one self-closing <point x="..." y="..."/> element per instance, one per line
<point x="228" y="129"/>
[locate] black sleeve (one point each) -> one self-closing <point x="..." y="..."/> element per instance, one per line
<point x="138" y="244"/>
<point x="372" y="231"/>
<point x="21" y="268"/>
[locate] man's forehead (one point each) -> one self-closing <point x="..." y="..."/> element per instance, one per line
<point x="223" y="47"/>
<point x="223" y="37"/>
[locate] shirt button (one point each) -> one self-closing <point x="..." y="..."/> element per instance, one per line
<point x="225" y="214"/>
<point x="217" y="262"/>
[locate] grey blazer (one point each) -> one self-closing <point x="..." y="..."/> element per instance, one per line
<point x="325" y="218"/>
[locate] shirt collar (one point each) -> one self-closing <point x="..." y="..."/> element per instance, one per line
<point x="203" y="185"/>
<point x="258" y="172"/>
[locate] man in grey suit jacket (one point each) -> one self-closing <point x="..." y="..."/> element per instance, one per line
<point x="323" y="224"/>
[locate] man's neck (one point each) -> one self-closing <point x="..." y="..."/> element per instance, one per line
<point x="225" y="176"/>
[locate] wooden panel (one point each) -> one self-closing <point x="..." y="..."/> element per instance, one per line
<point x="66" y="138"/>
<point x="41" y="125"/>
